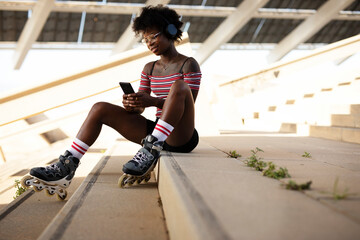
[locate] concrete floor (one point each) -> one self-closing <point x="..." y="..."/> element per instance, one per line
<point x="330" y="161"/>
<point x="231" y="200"/>
<point x="218" y="197"/>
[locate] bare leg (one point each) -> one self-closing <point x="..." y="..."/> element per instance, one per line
<point x="179" y="111"/>
<point x="130" y="125"/>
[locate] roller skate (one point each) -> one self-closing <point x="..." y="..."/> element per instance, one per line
<point x="139" y="168"/>
<point x="54" y="178"/>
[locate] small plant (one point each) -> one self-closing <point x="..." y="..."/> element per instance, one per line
<point x="260" y="165"/>
<point x="277" y="174"/>
<point x="19" y="189"/>
<point x="336" y="194"/>
<point x="254" y="161"/>
<point x="256" y="150"/>
<point x="234" y="154"/>
<point x="292" y="185"/>
<point x="306" y="155"/>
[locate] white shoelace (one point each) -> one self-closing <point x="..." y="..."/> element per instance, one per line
<point x="140" y="157"/>
<point x="53" y="167"/>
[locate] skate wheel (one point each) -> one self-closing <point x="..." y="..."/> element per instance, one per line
<point x="139" y="180"/>
<point x="130" y="182"/>
<point x="62" y="196"/>
<point x="121" y="181"/>
<point x="147" y="177"/>
<point x="38" y="189"/>
<point x="49" y="192"/>
<point x="25" y="181"/>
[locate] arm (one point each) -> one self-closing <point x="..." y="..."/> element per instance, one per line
<point x="192" y="76"/>
<point x="137" y="102"/>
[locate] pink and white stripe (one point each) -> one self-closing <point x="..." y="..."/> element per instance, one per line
<point x="162" y="130"/>
<point x="78" y="148"/>
<point x="160" y="85"/>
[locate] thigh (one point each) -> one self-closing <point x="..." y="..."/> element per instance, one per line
<point x="184" y="129"/>
<point x="132" y="126"/>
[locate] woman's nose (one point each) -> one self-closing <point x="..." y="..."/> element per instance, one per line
<point x="150" y="43"/>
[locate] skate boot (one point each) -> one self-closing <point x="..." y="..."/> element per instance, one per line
<point x="139" y="168"/>
<point x="54" y="178"/>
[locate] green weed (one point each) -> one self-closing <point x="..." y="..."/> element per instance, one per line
<point x="292" y="185"/>
<point x="306" y="155"/>
<point x="336" y="194"/>
<point x="19" y="189"/>
<point x="272" y="172"/>
<point x="233" y="154"/>
<point x="254" y="161"/>
<point x="260" y="166"/>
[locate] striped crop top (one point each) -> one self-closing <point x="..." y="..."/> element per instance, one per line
<point x="160" y="85"/>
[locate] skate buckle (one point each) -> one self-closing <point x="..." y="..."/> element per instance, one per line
<point x="157" y="148"/>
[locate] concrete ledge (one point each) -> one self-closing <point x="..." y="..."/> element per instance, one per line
<point x="288" y="128"/>
<point x="351" y="135"/>
<point x="345" y="134"/>
<point x="187" y="214"/>
<point x="355" y="109"/>
<point x="12" y="205"/>
<point x="207" y="195"/>
<point x="341" y="120"/>
<point x="332" y="133"/>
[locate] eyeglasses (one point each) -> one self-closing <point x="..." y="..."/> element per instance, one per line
<point x="151" y="38"/>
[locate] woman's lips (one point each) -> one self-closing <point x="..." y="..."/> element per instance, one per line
<point x="154" y="49"/>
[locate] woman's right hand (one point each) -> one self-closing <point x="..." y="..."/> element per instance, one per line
<point x="139" y="99"/>
<point x="130" y="105"/>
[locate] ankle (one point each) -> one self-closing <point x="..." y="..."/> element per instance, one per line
<point x="68" y="158"/>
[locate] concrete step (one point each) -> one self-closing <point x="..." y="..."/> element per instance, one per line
<point x="342" y="120"/>
<point x="207" y="195"/>
<point x="28" y="215"/>
<point x="272" y="125"/>
<point x="315" y="107"/>
<point x="351" y="120"/>
<point x="306" y="112"/>
<point x="345" y="134"/>
<point x="101" y="210"/>
<point x="355" y="109"/>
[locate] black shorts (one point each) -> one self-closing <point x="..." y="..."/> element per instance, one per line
<point x="186" y="148"/>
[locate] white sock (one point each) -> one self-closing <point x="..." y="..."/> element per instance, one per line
<point x="78" y="148"/>
<point x="162" y="130"/>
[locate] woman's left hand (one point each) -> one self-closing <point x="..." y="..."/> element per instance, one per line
<point x="138" y="100"/>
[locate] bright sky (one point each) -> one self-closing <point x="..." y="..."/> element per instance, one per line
<point x="43" y="65"/>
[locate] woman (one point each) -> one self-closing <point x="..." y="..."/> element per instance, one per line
<point x="174" y="79"/>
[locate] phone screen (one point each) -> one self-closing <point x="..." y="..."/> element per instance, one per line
<point x="126" y="87"/>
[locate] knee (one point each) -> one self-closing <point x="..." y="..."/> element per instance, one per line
<point x="179" y="87"/>
<point x="100" y="108"/>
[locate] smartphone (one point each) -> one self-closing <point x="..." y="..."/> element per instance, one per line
<point x="126" y="87"/>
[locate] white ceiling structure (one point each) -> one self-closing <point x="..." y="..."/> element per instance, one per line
<point x="231" y="21"/>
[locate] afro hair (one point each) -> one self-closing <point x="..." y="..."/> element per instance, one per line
<point x="160" y="17"/>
